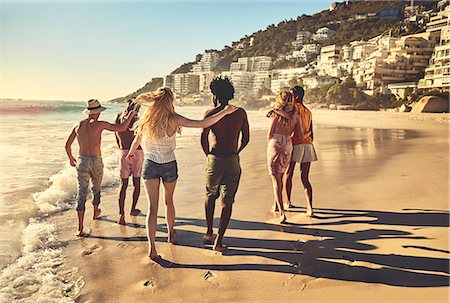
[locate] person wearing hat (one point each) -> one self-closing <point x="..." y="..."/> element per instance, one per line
<point x="89" y="165"/>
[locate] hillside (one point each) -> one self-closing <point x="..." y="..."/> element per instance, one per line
<point x="148" y="87"/>
<point x="275" y="40"/>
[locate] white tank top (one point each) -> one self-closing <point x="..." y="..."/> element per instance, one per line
<point x="161" y="150"/>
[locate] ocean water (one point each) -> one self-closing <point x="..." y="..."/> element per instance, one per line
<point x="36" y="181"/>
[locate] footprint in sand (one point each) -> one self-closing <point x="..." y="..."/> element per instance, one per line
<point x="122" y="245"/>
<point x="209" y="275"/>
<point x="91" y="249"/>
<point x="149" y="283"/>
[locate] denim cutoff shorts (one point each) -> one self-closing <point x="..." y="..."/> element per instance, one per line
<point x="168" y="172"/>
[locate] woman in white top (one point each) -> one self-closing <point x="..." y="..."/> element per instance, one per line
<point x="156" y="132"/>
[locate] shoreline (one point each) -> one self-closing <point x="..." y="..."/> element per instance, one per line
<point x="260" y="249"/>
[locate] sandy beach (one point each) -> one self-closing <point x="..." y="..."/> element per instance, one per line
<point x="380" y="194"/>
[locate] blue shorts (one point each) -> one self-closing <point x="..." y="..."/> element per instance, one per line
<point x="168" y="172"/>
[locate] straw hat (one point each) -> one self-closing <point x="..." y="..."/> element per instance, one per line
<point x="93" y="107"/>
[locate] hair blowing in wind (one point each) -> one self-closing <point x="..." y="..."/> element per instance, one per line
<point x="159" y="115"/>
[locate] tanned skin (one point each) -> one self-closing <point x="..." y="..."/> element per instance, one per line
<point x="124" y="140"/>
<point x="88" y="133"/>
<point x="224" y="142"/>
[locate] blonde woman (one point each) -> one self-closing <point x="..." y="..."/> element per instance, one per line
<point x="155" y="132"/>
<point x="285" y="121"/>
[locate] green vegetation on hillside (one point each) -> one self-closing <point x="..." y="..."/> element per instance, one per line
<point x="148" y="87"/>
<point x="275" y="40"/>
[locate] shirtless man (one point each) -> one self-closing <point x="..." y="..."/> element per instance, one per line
<point x="90" y="166"/>
<point x="223" y="170"/>
<point x="127" y="168"/>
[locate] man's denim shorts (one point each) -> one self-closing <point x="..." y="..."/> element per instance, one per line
<point x="168" y="172"/>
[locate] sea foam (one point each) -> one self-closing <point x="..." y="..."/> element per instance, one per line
<point x="39" y="275"/>
<point x="61" y="192"/>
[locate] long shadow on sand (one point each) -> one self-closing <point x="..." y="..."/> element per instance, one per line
<point x="335" y="254"/>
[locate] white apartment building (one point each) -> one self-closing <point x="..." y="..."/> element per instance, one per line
<point x="262" y="79"/>
<point x="306" y="52"/>
<point x="323" y="33"/>
<point x="329" y="56"/>
<point x="252" y="64"/>
<point x="281" y="77"/>
<point x="403" y="61"/>
<point x="208" y="61"/>
<point x="242" y="82"/>
<point x="301" y="38"/>
<point x="437" y="73"/>
<point x="182" y="84"/>
<point x="204" y="81"/>
<point x="316" y="81"/>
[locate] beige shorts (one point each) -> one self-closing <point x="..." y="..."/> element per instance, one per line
<point x="131" y="167"/>
<point x="303" y="153"/>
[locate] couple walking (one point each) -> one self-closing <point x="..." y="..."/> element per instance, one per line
<point x="156" y="132"/>
<point x="290" y="140"/>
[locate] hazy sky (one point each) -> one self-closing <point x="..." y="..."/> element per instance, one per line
<point x="82" y="50"/>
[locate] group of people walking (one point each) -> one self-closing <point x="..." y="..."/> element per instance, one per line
<point x="147" y="148"/>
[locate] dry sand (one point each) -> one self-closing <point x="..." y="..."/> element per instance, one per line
<point x="381" y="194"/>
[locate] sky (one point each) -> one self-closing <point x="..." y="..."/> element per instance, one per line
<point x="82" y="50"/>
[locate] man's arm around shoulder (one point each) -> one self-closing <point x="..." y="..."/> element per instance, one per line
<point x="118" y="127"/>
<point x="204" y="138"/>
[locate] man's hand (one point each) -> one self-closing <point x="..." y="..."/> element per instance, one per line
<point x="73" y="162"/>
<point x="129" y="157"/>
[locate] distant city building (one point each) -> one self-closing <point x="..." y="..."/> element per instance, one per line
<point x="252" y="64"/>
<point x="403" y="61"/>
<point x="301" y="38"/>
<point x="182" y="84"/>
<point x="390" y="14"/>
<point x="281" y="77"/>
<point x="400" y="90"/>
<point x="208" y="61"/>
<point x="316" y="81"/>
<point x="437" y="73"/>
<point x="323" y="33"/>
<point x="329" y="57"/>
<point x="242" y="82"/>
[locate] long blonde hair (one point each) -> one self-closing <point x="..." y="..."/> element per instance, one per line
<point x="159" y="115"/>
<point x="285" y="102"/>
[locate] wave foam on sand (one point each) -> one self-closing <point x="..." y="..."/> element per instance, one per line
<point x="39" y="275"/>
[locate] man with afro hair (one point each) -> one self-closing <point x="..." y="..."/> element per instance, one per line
<point x="223" y="170"/>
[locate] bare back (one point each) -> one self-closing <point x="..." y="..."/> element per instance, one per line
<point x="89" y="136"/>
<point x="224" y="141"/>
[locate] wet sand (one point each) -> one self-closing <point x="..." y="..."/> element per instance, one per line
<point x="381" y="197"/>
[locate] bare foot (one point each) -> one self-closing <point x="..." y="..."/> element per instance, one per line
<point x="97" y="213"/>
<point x="274" y="208"/>
<point x="219" y="247"/>
<point x="288" y="205"/>
<point x="121" y="220"/>
<point x="80" y="233"/>
<point x="310" y="213"/>
<point x="172" y="237"/>
<point x="135" y="212"/>
<point x="283" y="219"/>
<point x="208" y="239"/>
<point x="154" y="256"/>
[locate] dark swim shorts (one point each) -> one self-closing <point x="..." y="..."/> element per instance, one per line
<point x="222" y="178"/>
